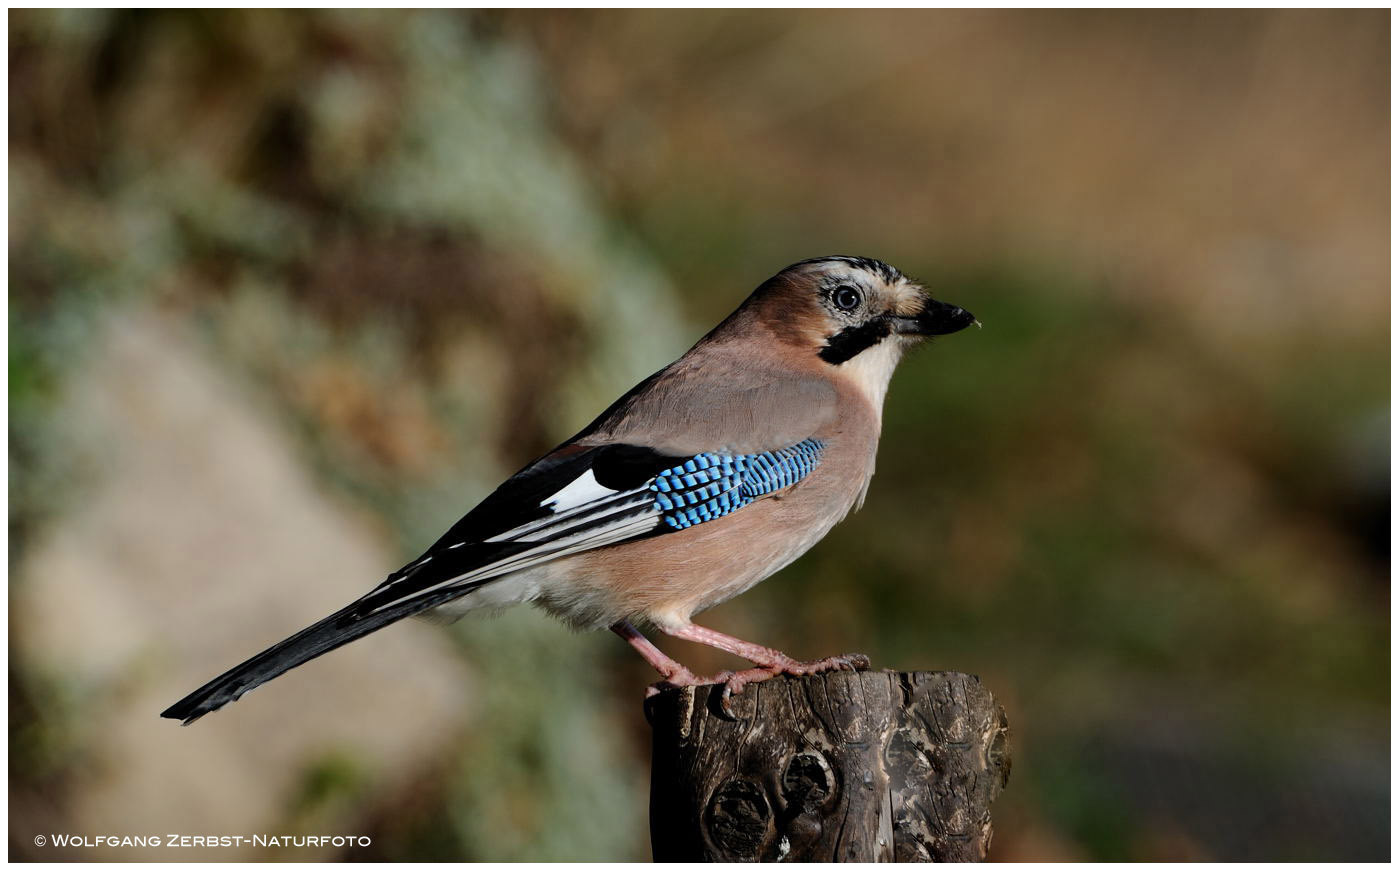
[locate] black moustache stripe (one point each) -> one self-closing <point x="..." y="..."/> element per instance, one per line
<point x="852" y="340"/>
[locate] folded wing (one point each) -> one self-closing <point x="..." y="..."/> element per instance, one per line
<point x="573" y="500"/>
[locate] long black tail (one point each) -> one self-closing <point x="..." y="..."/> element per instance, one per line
<point x="338" y="629"/>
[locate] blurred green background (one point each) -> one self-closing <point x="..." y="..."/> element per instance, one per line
<point x="289" y="292"/>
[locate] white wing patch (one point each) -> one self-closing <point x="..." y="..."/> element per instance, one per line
<point x="580" y="491"/>
<point x="580" y="504"/>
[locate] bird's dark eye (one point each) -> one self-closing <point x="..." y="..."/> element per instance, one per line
<point x="846" y="298"/>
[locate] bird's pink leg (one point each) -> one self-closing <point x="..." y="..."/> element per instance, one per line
<point x="770" y="662"/>
<point x="674" y="673"/>
<point x="754" y="653"/>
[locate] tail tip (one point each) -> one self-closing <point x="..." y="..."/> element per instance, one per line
<point x="187" y="710"/>
<point x="175" y="712"/>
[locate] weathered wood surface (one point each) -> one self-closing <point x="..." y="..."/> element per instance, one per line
<point x="842" y="767"/>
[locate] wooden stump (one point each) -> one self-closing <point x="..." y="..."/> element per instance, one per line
<point x="841" y="767"/>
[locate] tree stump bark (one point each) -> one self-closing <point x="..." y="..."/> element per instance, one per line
<point x="841" y="767"/>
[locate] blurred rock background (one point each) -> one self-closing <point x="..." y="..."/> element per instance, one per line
<point x="290" y="291"/>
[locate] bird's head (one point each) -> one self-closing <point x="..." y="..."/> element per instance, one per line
<point x="854" y="314"/>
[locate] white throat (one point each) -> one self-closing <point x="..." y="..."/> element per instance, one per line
<point x="872" y="369"/>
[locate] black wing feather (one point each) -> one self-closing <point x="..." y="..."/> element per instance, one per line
<point x="519" y="500"/>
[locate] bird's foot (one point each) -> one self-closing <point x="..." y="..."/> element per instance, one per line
<point x="735" y="681"/>
<point x="731" y="681"/>
<point x="843" y="662"/>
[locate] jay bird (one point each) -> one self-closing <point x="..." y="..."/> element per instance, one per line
<point x="703" y="480"/>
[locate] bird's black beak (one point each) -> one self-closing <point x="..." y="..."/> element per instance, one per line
<point x="936" y="319"/>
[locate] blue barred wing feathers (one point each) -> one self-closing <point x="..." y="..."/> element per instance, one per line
<point x="710" y="485"/>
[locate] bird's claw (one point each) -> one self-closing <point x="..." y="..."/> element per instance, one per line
<point x="733" y="683"/>
<point x="729" y="683"/>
